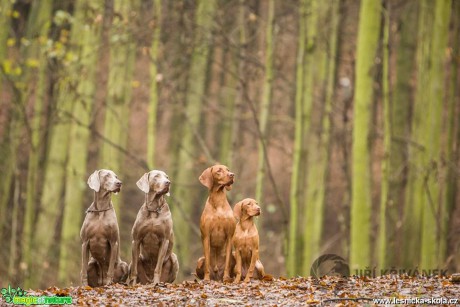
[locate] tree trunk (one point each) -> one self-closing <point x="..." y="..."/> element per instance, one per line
<point x="322" y="72"/>
<point x="5" y="144"/>
<point x="293" y="249"/>
<point x="41" y="24"/>
<point x="84" y="37"/>
<point x="368" y="37"/>
<point x="121" y="67"/>
<point x="266" y="99"/>
<point x="435" y="215"/>
<point x="453" y="133"/>
<point x="152" y="111"/>
<point x="415" y="187"/>
<point x="387" y="135"/>
<point x="196" y="89"/>
<point x="401" y="128"/>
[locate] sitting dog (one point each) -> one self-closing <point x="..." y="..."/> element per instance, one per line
<point x="100" y="235"/>
<point x="217" y="226"/>
<point x="246" y="241"/>
<point x="152" y="234"/>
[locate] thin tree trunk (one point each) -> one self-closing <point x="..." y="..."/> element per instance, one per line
<point x="415" y="192"/>
<point x="153" y="105"/>
<point x="85" y="39"/>
<point x="266" y="98"/>
<point x="387" y="134"/>
<point x="435" y="215"/>
<point x="228" y="96"/>
<point x="196" y="89"/>
<point x="121" y="67"/>
<point x="5" y="144"/>
<point x="291" y="263"/>
<point x="54" y="181"/>
<point x="401" y="128"/>
<point x="41" y="25"/>
<point x="454" y="101"/>
<point x="368" y="37"/>
<point x="322" y="71"/>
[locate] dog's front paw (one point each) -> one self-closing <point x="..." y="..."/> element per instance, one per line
<point x="132" y="280"/>
<point x="107" y="281"/>
<point x="227" y="279"/>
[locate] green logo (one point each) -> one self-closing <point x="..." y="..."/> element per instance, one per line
<point x="17" y="296"/>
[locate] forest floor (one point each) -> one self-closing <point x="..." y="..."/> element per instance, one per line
<point x="327" y="291"/>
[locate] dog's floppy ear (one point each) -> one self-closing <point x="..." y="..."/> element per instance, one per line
<point x="206" y="178"/>
<point x="143" y="183"/>
<point x="94" y="181"/>
<point x="237" y="210"/>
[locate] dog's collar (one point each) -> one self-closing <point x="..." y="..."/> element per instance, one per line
<point x="102" y="210"/>
<point x="157" y="210"/>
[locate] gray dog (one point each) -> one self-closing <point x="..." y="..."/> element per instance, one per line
<point x="100" y="235"/>
<point x="152" y="234"/>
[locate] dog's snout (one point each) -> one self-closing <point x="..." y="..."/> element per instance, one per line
<point x="168" y="182"/>
<point x="118" y="183"/>
<point x="231" y="175"/>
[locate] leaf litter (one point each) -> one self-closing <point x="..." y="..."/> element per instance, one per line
<point x="326" y="291"/>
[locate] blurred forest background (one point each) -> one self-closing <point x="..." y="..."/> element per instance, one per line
<point x="339" y="117"/>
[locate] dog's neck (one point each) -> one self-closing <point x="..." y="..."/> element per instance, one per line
<point x="154" y="202"/>
<point x="102" y="200"/>
<point x="217" y="197"/>
<point x="246" y="222"/>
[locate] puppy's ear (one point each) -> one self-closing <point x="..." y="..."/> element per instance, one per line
<point x="237" y="210"/>
<point x="94" y="181"/>
<point x="143" y="183"/>
<point x="206" y="178"/>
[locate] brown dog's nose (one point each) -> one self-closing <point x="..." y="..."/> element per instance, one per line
<point x="231" y="175"/>
<point x="168" y="182"/>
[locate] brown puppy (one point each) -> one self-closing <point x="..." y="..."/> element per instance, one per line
<point x="152" y="234"/>
<point x="246" y="241"/>
<point x="100" y="235"/>
<point x="217" y="226"/>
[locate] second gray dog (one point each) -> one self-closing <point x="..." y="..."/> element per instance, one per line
<point x="152" y="234"/>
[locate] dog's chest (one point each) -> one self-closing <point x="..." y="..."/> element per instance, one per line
<point x="156" y="229"/>
<point x="221" y="225"/>
<point x="222" y="218"/>
<point x="245" y="241"/>
<point x="101" y="227"/>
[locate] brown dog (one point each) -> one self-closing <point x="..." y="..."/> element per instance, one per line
<point x="100" y="235"/>
<point x="152" y="234"/>
<point x="246" y="241"/>
<point x="217" y="226"/>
